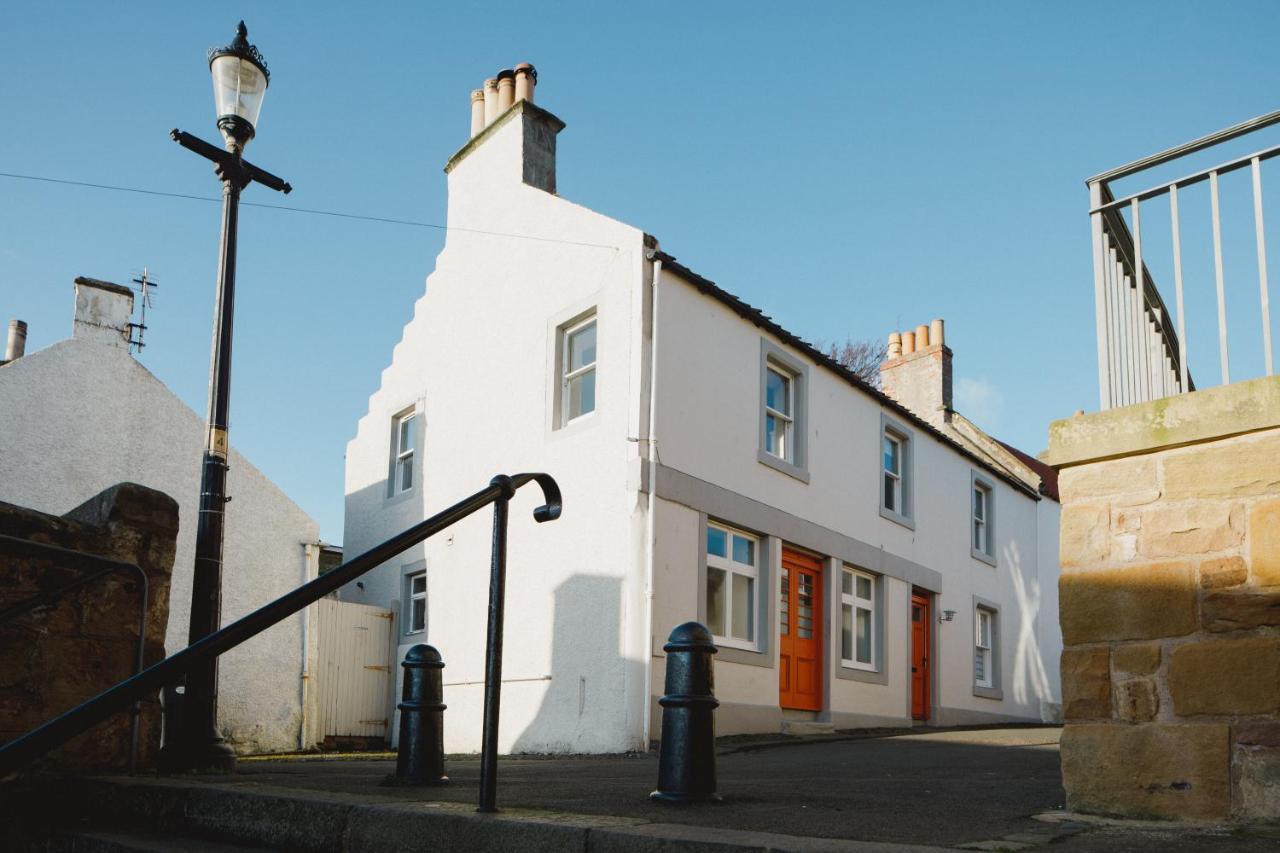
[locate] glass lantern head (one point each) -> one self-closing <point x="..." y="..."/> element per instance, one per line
<point x="240" y="80"/>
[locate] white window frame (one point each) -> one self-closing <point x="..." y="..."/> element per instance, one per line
<point x="786" y="419"/>
<point x="895" y="489"/>
<point x="904" y="478"/>
<point x="732" y="567"/>
<point x="855" y="602"/>
<point x="983" y="647"/>
<point x="400" y="457"/>
<point x="410" y="597"/>
<point x="984" y="551"/>
<point x="567" y="375"/>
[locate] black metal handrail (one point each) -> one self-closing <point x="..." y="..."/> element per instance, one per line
<point x="96" y="567"/>
<point x="499" y="492"/>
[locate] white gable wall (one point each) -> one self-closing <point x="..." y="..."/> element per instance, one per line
<point x="477" y="359"/>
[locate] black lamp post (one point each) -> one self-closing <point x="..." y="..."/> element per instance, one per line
<point x="239" y="82"/>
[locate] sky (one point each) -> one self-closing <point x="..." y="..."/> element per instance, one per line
<point x="849" y="168"/>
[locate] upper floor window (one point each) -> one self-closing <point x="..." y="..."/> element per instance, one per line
<point x="857" y="619"/>
<point x="779" y="422"/>
<point x="732" y="575"/>
<point x="403" y="435"/>
<point x="982" y="521"/>
<point x="783" y="389"/>
<point x="896" y="465"/>
<point x="578" y="369"/>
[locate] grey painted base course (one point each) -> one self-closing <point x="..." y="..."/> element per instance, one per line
<point x="285" y="818"/>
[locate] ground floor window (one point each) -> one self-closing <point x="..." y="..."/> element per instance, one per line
<point x="983" y="669"/>
<point x="857" y="619"/>
<point x="415" y="617"/>
<point x="732" y="575"/>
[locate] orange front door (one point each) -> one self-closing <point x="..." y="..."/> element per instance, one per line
<point x="800" y="633"/>
<point x="920" y="677"/>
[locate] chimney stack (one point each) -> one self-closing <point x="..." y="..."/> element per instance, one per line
<point x="509" y="96"/>
<point x="16" y="347"/>
<point x="917" y="372"/>
<point x="103" y="312"/>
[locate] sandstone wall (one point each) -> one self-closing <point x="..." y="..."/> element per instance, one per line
<point x="55" y="657"/>
<point x="1170" y="611"/>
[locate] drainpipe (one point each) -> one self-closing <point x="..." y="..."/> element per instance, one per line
<point x="311" y="556"/>
<point x="650" y="521"/>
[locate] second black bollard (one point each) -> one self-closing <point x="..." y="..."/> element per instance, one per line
<point x="687" y="761"/>
<point x="420" y="755"/>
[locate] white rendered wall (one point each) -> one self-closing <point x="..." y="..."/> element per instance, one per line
<point x="476" y="360"/>
<point x="81" y="416"/>
<point x="708" y="427"/>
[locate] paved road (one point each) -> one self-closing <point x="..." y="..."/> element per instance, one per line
<point x="943" y="788"/>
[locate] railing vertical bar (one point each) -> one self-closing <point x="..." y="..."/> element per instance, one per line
<point x="1217" y="270"/>
<point x="1115" y="332"/>
<point x="493" y="648"/>
<point x="1262" y="262"/>
<point x="1144" y="318"/>
<point x="1113" y="360"/>
<point x="1099" y="301"/>
<point x="1126" y="326"/>
<point x="1183" y="369"/>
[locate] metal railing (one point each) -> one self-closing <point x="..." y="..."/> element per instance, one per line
<point x="499" y="492"/>
<point x="94" y="568"/>
<point x="1142" y="349"/>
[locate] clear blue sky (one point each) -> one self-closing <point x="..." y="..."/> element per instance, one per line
<point x="848" y="168"/>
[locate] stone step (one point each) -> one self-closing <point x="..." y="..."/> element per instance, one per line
<point x="138" y="842"/>
<point x="807" y="728"/>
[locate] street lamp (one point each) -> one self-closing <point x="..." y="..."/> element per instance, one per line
<point x="239" y="82"/>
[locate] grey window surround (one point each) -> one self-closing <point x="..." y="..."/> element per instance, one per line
<point x="762" y="655"/>
<point x="391" y="495"/>
<point x="996" y="690"/>
<point x="889" y="426"/>
<point x="749" y="514"/>
<point x="976" y="480"/>
<point x="556" y="326"/>
<point x="797" y="467"/>
<point x="880" y="675"/>
<point x="407" y="571"/>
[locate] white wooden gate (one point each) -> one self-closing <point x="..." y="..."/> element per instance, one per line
<point x="353" y="676"/>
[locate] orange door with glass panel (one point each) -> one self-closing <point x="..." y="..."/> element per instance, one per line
<point x="800" y="632"/>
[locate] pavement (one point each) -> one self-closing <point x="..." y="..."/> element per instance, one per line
<point x="988" y="789"/>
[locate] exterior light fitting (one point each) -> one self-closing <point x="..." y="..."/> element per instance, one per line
<point x="240" y="80"/>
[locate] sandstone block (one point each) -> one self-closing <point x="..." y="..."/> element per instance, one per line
<point x="1169" y="531"/>
<point x="1235" y="467"/>
<point x="1156" y="770"/>
<point x="1085" y="532"/>
<point x="1134" y="477"/>
<point x="1136" y="700"/>
<point x="1240" y="609"/>
<point x="1143" y="602"/>
<point x="1128" y="520"/>
<point x="1223" y="571"/>
<point x="1086" y="683"/>
<point x="1137" y="658"/>
<point x="1255" y="771"/>
<point x="1239" y="676"/>
<point x="1264" y="543"/>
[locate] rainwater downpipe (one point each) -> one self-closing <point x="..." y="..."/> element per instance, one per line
<point x="311" y="554"/>
<point x="650" y="520"/>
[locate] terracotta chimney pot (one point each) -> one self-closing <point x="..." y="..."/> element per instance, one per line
<point x="908" y="343"/>
<point x="922" y="336"/>
<point x="936" y="334"/>
<point x="506" y="89"/>
<point x="477" y="111"/>
<point x="490" y="100"/>
<point x="526" y="81"/>
<point x="895" y="345"/>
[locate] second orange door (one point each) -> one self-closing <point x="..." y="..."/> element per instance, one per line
<point x="800" y="632"/>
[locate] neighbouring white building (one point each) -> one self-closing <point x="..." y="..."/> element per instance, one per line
<point x="82" y="415"/>
<point x="863" y="561"/>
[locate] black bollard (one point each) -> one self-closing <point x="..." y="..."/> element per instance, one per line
<point x="687" y="761"/>
<point x="420" y="757"/>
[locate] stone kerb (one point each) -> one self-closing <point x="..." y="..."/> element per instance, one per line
<point x="54" y="657"/>
<point x="1170" y="611"/>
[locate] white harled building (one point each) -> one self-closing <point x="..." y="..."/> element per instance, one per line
<point x="862" y="560"/>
